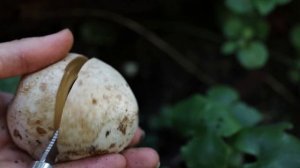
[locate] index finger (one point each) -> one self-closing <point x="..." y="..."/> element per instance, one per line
<point x="27" y="55"/>
<point x="104" y="161"/>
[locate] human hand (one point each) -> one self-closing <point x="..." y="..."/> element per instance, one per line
<point x="31" y="54"/>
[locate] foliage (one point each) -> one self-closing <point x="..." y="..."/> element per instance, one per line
<point x="9" y="84"/>
<point x="221" y="130"/>
<point x="246" y="29"/>
<point x="263" y="7"/>
<point x="271" y="146"/>
<point x="179" y="48"/>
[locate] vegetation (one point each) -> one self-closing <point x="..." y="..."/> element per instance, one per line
<point x="217" y="81"/>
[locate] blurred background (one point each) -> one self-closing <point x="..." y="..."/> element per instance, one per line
<point x="170" y="50"/>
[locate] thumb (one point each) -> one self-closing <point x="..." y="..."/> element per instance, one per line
<point x="30" y="54"/>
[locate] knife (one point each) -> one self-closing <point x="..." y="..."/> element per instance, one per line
<point x="42" y="162"/>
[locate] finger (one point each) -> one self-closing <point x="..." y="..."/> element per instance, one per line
<point x="138" y="136"/>
<point x="105" y="161"/>
<point x="14" y="164"/>
<point x="30" y="54"/>
<point x="141" y="158"/>
<point x="4" y="136"/>
<point x="5" y="98"/>
<point x="11" y="153"/>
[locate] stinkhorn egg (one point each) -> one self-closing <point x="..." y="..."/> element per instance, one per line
<point x="87" y="100"/>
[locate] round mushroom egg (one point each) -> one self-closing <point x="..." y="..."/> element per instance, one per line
<point x="86" y="100"/>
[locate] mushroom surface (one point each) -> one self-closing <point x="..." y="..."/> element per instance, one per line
<point x="99" y="115"/>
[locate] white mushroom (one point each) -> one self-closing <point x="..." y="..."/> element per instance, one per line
<point x="99" y="113"/>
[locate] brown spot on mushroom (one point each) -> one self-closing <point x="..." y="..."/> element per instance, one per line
<point x="17" y="134"/>
<point x="51" y="128"/>
<point x="43" y="87"/>
<point x="107" y="133"/>
<point x="70" y="153"/>
<point x="24" y="88"/>
<point x="92" y="149"/>
<point x="38" y="122"/>
<point x="112" y="145"/>
<point x="80" y="82"/>
<point x="16" y="161"/>
<point x="119" y="97"/>
<point x="123" y="125"/>
<point x="94" y="101"/>
<point x="41" y="131"/>
<point x="101" y="152"/>
<point x="38" y="142"/>
<point x="108" y="87"/>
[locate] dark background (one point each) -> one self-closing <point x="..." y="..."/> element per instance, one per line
<point x="190" y="63"/>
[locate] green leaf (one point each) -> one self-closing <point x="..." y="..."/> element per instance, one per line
<point x="9" y="84"/>
<point x="248" y="32"/>
<point x="235" y="159"/>
<point x="262" y="29"/>
<point x="206" y="151"/>
<point x="253" y="140"/>
<point x="229" y="47"/>
<point x="217" y="118"/>
<point x="197" y="113"/>
<point x="246" y="115"/>
<point x="264" y="7"/>
<point x="233" y="27"/>
<point x="239" y="6"/>
<point x="253" y="55"/>
<point x="295" y="37"/>
<point x="223" y="94"/>
<point x="272" y="147"/>
<point x="187" y="116"/>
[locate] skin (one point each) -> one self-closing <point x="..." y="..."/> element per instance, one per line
<point x="27" y="55"/>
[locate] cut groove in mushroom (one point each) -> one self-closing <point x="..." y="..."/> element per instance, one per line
<point x="68" y="79"/>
